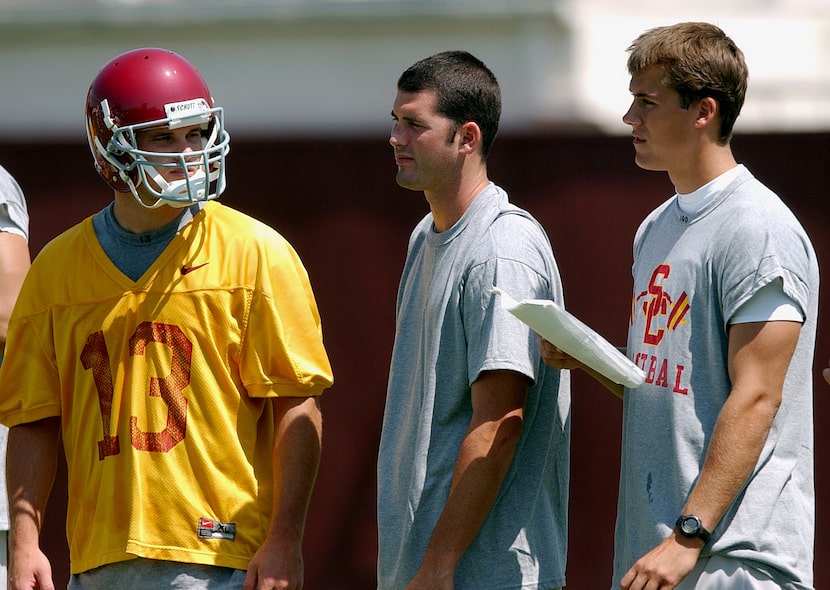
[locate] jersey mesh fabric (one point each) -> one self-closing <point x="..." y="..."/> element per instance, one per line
<point x="161" y="384"/>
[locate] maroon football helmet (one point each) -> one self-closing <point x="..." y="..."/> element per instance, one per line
<point x="147" y="88"/>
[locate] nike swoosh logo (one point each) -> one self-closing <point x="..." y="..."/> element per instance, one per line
<point x="189" y="269"/>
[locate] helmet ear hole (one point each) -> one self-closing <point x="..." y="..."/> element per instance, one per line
<point x="153" y="87"/>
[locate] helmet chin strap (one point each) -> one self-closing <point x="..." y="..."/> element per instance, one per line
<point x="189" y="190"/>
<point x="178" y="194"/>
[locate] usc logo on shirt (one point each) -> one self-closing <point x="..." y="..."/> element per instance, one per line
<point x="662" y="313"/>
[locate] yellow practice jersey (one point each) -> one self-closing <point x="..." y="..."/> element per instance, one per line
<point x="162" y="385"/>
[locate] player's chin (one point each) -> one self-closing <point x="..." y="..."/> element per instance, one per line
<point x="647" y="163"/>
<point x="407" y="181"/>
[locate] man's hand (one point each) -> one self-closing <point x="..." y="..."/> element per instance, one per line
<point x="665" y="566"/>
<point x="557" y="359"/>
<point x="275" y="566"/>
<point x="29" y="568"/>
<point x="553" y="357"/>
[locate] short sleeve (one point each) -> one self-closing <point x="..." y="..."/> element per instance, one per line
<point x="283" y="352"/>
<point x="14" y="216"/>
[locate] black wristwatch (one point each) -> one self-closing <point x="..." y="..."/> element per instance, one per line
<point x="689" y="525"/>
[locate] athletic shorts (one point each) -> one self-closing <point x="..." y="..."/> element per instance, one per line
<point x="717" y="572"/>
<point x="151" y="574"/>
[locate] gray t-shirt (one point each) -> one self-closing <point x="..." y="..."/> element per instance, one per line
<point x="691" y="273"/>
<point x="450" y="328"/>
<point x="14" y="218"/>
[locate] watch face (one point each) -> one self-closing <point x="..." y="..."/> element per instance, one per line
<point x="690" y="525"/>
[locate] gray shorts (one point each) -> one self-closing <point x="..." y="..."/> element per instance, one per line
<point x="151" y="574"/>
<point x="722" y="573"/>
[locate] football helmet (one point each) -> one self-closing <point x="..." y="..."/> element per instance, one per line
<point x="147" y="88"/>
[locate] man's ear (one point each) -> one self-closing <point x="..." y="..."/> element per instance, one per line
<point x="469" y="137"/>
<point x="707" y="110"/>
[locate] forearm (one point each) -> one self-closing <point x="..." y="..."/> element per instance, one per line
<point x="483" y="460"/>
<point x="297" y="448"/>
<point x="298" y="428"/>
<point x="31" y="462"/>
<point x="610" y="385"/>
<point x="737" y="441"/>
<point x="759" y="355"/>
<point x="484" y="456"/>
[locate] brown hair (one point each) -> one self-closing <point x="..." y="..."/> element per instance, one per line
<point x="700" y="61"/>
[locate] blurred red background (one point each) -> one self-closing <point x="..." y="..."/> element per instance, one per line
<point x="338" y="203"/>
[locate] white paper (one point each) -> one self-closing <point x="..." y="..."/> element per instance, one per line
<point x="551" y="321"/>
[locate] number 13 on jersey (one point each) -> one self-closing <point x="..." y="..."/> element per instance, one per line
<point x="95" y="358"/>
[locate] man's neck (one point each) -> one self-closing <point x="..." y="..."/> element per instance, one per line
<point x="138" y="219"/>
<point x="707" y="167"/>
<point x="447" y="208"/>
